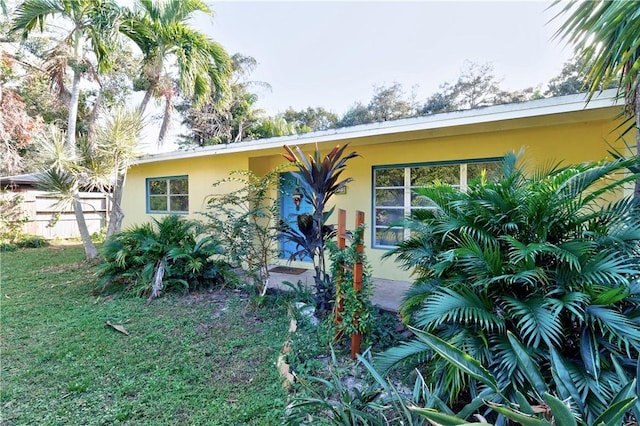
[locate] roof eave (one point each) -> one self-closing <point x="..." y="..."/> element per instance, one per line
<point x="548" y="106"/>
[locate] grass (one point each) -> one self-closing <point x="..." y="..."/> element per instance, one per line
<point x="205" y="359"/>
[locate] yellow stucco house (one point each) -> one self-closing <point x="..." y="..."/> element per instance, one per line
<point x="394" y="156"/>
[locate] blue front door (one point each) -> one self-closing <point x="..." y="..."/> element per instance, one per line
<point x="289" y="211"/>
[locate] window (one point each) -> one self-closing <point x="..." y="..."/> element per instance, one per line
<point x="168" y="195"/>
<point x="395" y="194"/>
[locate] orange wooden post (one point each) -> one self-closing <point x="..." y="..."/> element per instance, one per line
<point x="357" y="285"/>
<point x="342" y="244"/>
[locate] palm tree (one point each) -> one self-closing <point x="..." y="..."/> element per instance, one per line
<point x="89" y="21"/>
<point x="543" y="265"/>
<point x="161" y="30"/>
<point x="605" y="34"/>
<point x="116" y="143"/>
<point x="65" y="175"/>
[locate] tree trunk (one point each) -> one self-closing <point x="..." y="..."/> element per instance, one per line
<point x="75" y="92"/>
<point x="147" y="95"/>
<point x="89" y="249"/>
<point x="166" y="119"/>
<point x="93" y="118"/>
<point x="157" y="280"/>
<point x="116" y="214"/>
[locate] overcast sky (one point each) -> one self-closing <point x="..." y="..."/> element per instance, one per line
<point x="332" y="53"/>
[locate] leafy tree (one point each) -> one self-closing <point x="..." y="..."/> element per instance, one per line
<point x="476" y="87"/>
<point x="605" y="35"/>
<point x="546" y="265"/>
<point x="310" y="119"/>
<point x="17" y="127"/>
<point x="162" y="32"/>
<point x="213" y="122"/>
<point x="245" y="222"/>
<point x="90" y="22"/>
<point x="357" y="114"/>
<point x="387" y="103"/>
<point x="571" y="80"/>
<point x="442" y="101"/>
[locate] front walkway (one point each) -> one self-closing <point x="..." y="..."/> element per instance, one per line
<point x="386" y="293"/>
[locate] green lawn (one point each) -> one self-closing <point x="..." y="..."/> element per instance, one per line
<point x="206" y="358"/>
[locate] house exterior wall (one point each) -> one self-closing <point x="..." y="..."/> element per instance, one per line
<point x="202" y="173"/>
<point x="544" y="140"/>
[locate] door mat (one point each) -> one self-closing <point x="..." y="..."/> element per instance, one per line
<point x="288" y="270"/>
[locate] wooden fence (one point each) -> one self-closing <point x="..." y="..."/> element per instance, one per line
<point x="50" y="219"/>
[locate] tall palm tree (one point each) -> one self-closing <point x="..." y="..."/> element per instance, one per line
<point x="162" y="32"/>
<point x="89" y="22"/>
<point x="86" y="22"/>
<point x="605" y="34"/>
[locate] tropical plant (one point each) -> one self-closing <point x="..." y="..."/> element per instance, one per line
<point x="549" y="409"/>
<point x="116" y="147"/>
<point x="605" y="35"/>
<point x="67" y="170"/>
<point x="544" y="265"/>
<point x="335" y="400"/>
<point x="168" y="253"/>
<point x="213" y="122"/>
<point x="319" y="179"/>
<point x="92" y="22"/>
<point x="161" y="30"/>
<point x="244" y="220"/>
<point x="12" y="216"/>
<point x="356" y="312"/>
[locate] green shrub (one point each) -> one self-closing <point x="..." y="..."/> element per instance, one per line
<point x="542" y="266"/>
<point x="244" y="220"/>
<point x="170" y="253"/>
<point x="24" y="241"/>
<point x="32" y="241"/>
<point x="12" y="218"/>
<point x="547" y="409"/>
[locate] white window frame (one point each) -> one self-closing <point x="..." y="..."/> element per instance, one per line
<point x="407" y="188"/>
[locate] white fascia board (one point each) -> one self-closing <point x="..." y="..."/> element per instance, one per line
<point x="540" y="107"/>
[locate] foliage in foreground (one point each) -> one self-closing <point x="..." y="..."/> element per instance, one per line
<point x="542" y="268"/>
<point x="205" y="358"/>
<point x="244" y="220"/>
<point x="549" y="409"/>
<point x="169" y="253"/>
<point x="353" y="309"/>
<point x="319" y="181"/>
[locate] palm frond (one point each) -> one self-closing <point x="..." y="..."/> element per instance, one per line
<point x="536" y="320"/>
<point x="460" y="307"/>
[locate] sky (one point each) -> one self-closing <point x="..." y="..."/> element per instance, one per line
<point x="333" y="53"/>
